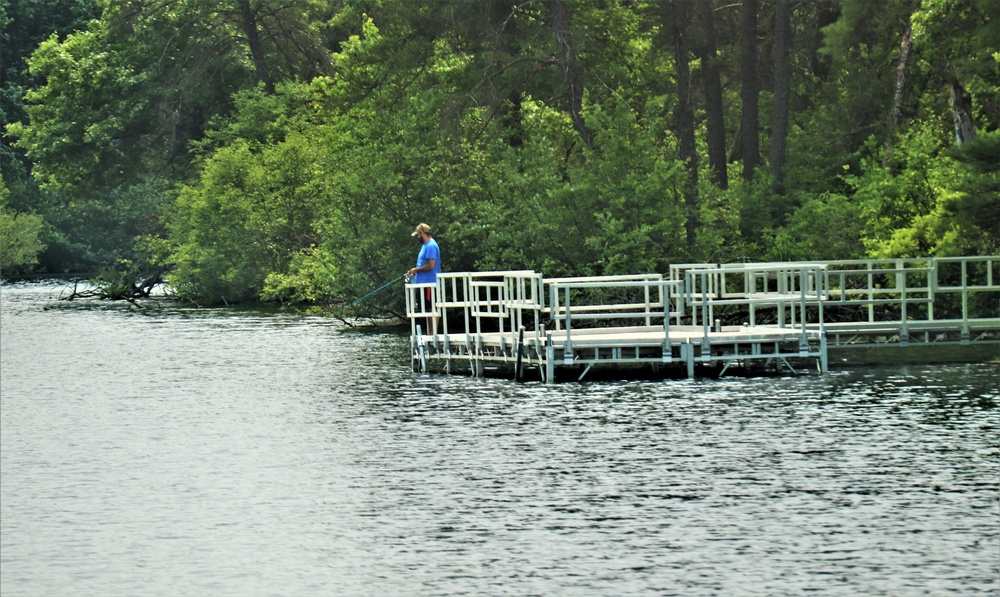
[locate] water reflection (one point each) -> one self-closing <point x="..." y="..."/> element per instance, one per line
<point x="234" y="452"/>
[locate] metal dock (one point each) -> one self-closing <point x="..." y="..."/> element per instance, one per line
<point x="749" y="316"/>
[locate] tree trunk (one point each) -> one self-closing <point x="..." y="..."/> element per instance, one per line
<point x="750" y="119"/>
<point x="901" y="70"/>
<point x="685" y="121"/>
<point x="572" y="74"/>
<point x="895" y="112"/>
<point x="961" y="109"/>
<point x="256" y="47"/>
<point x="782" y="80"/>
<point x="712" y="86"/>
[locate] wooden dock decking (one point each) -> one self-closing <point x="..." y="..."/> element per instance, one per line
<point x="790" y="314"/>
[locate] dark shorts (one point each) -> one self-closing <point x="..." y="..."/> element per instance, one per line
<point x="427" y="305"/>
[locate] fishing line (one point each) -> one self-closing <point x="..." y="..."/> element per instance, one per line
<point x="373" y="292"/>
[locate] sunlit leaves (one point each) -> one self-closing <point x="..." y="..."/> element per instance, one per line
<point x="19" y="236"/>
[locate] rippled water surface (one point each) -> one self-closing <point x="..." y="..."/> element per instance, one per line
<point x="183" y="451"/>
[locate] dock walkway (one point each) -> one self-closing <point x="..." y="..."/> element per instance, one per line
<point x="786" y="315"/>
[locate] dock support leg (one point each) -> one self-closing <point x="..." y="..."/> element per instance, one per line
<point x="725" y="368"/>
<point x="422" y="351"/>
<point x="477" y="368"/>
<point x="447" y="355"/>
<point x="518" y="370"/>
<point x="824" y="358"/>
<point x="550" y="358"/>
<point x="414" y="358"/>
<point x="687" y="355"/>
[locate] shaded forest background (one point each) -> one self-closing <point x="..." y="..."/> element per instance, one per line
<point x="249" y="150"/>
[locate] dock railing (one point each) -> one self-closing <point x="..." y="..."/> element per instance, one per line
<point x="883" y="292"/>
<point x="637" y="301"/>
<point x="783" y="295"/>
<point x="890" y="296"/>
<point x="644" y="297"/>
<point x="420" y="306"/>
<point x="967" y="279"/>
<point x="865" y="302"/>
<point x="489" y="301"/>
<point x="912" y="295"/>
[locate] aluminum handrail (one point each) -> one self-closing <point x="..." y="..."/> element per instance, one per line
<point x="893" y="291"/>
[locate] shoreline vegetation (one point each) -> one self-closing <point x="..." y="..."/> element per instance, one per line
<point x="261" y="152"/>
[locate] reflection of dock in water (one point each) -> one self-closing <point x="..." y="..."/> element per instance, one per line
<point x="750" y="316"/>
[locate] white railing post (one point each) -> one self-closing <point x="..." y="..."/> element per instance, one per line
<point x="568" y="348"/>
<point x="804" y="338"/>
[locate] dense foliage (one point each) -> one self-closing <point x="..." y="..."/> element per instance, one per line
<point x="265" y="150"/>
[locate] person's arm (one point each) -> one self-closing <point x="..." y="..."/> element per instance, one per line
<point x="427" y="267"/>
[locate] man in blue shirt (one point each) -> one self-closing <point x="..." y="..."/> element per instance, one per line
<point x="427" y="269"/>
<point x="429" y="258"/>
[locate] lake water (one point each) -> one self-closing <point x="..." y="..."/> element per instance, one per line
<point x="184" y="451"/>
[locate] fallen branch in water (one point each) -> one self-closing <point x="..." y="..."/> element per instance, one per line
<point x="116" y="289"/>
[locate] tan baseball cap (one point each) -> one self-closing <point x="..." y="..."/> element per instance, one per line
<point x="421" y="228"/>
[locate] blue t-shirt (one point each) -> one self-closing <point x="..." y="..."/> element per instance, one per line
<point x="428" y="251"/>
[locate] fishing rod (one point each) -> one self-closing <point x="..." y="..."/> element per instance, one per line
<point x="373" y="292"/>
